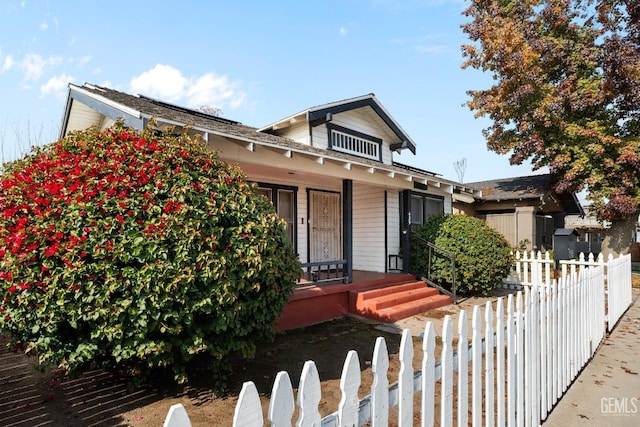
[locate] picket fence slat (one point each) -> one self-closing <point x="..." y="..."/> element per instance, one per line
<point x="281" y="405"/>
<point x="349" y="383"/>
<point x="248" y="411"/>
<point x="446" y="394"/>
<point x="380" y="385"/>
<point x="177" y="417"/>
<point x="309" y="395"/>
<point x="489" y="378"/>
<point x="521" y="363"/>
<point x="428" y="375"/>
<point x="405" y="380"/>
<point x="476" y="368"/>
<point x="463" y="369"/>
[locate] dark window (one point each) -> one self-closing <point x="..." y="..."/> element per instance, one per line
<point x="422" y="207"/>
<point x="284" y="198"/>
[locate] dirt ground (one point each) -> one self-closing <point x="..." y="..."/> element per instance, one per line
<point x="96" y="398"/>
<point x="32" y="398"/>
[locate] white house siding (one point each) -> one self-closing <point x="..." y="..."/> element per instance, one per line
<point x="363" y="120"/>
<point x="368" y="228"/>
<point x="299" y="132"/>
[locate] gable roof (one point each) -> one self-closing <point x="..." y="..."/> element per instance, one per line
<point x="322" y="113"/>
<point x="528" y="187"/>
<point x="136" y="111"/>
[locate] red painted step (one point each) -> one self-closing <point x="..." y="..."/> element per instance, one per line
<point x="396" y="302"/>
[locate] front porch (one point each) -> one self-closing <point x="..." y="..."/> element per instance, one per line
<point x="384" y="297"/>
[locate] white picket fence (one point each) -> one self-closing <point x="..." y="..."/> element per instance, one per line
<point x="535" y="268"/>
<point x="523" y="358"/>
<point x="530" y="267"/>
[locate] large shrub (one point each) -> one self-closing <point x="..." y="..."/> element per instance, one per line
<point x="137" y="250"/>
<point x="483" y="256"/>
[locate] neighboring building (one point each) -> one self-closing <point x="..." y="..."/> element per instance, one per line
<point x="329" y="171"/>
<point x="524" y="209"/>
<point x="591" y="232"/>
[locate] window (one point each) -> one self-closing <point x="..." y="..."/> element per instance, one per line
<point x="356" y="143"/>
<point x="284" y="200"/>
<point x="422" y="207"/>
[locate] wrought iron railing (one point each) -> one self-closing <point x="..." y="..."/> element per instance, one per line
<point x="324" y="271"/>
<point x="444" y="283"/>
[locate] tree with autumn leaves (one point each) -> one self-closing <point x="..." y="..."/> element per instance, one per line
<point x="138" y="251"/>
<point x="566" y="96"/>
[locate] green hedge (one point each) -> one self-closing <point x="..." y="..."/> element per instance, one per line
<point x="483" y="256"/>
<point x="138" y="251"/>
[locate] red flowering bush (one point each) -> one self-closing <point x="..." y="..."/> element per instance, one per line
<point x="137" y="251"/>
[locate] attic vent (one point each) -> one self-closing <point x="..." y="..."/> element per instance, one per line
<point x="356" y="145"/>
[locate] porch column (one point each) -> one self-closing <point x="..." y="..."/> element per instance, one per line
<point x="347" y="217"/>
<point x="405" y="229"/>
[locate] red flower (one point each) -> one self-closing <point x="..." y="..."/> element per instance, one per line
<point x="51" y="250"/>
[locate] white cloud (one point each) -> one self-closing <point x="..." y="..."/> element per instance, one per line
<point x="168" y="83"/>
<point x="85" y="59"/>
<point x="162" y="81"/>
<point x="44" y="26"/>
<point x="8" y="63"/>
<point x="344" y="31"/>
<point x="32" y="65"/>
<point x="56" y="86"/>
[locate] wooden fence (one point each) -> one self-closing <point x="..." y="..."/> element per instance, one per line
<point x="522" y="355"/>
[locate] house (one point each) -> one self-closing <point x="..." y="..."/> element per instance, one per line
<point x="329" y="171"/>
<point x="526" y="210"/>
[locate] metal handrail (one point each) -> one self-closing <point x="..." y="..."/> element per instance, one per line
<point x="432" y="247"/>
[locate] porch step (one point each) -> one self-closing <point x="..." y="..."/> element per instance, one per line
<point x="395" y="302"/>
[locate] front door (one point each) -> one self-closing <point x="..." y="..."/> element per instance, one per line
<point x="325" y="231"/>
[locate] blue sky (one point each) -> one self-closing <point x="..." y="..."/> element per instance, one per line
<point x="258" y="61"/>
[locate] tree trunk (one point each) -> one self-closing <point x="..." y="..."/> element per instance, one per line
<point x="621" y="235"/>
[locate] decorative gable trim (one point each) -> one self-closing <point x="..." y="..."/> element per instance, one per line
<point x="321" y="114"/>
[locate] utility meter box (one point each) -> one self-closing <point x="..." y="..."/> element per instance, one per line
<point x="564" y="244"/>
